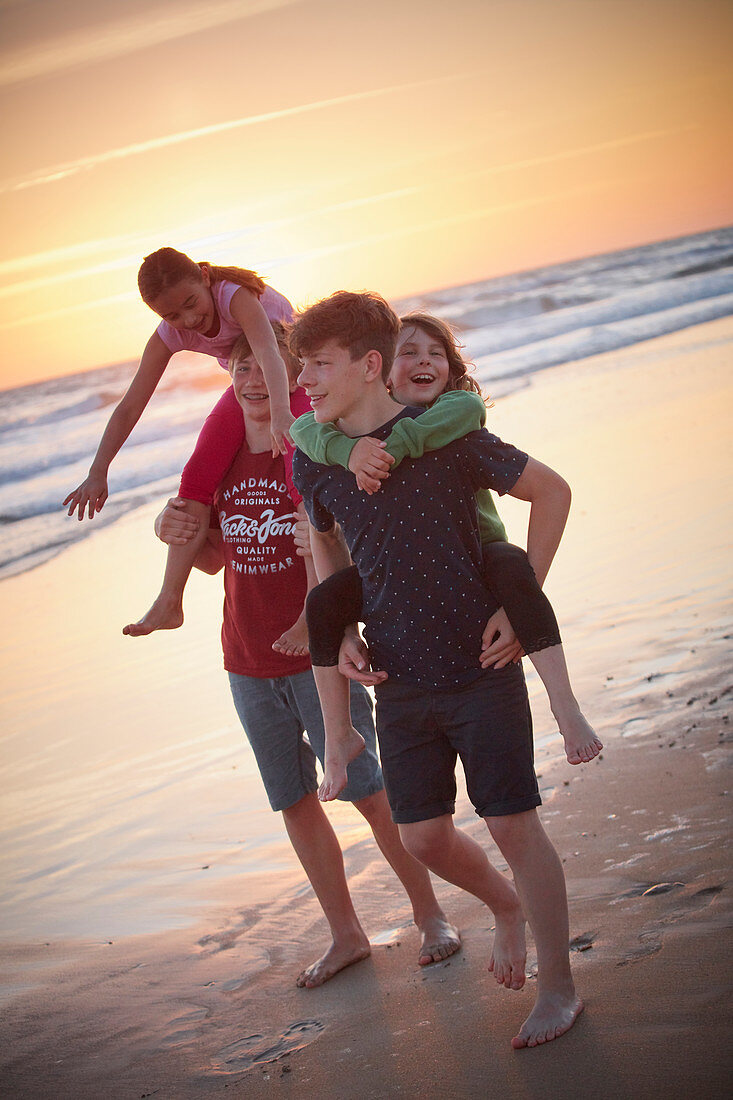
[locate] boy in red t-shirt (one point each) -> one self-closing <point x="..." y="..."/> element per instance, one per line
<point x="274" y="691"/>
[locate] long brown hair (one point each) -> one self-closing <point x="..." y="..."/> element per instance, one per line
<point x="163" y="269"/>
<point x="458" y="368"/>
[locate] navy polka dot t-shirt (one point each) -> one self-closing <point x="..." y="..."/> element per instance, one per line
<point x="416" y="545"/>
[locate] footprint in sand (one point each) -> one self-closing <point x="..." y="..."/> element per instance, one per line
<point x="650" y="938"/>
<point x="583" y="942"/>
<point x="256" y="1049"/>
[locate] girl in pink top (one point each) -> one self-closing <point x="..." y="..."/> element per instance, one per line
<point x="203" y="308"/>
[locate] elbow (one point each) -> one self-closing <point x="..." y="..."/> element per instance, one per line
<point x="564" y="493"/>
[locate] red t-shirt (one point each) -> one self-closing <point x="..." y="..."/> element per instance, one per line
<point x="264" y="579"/>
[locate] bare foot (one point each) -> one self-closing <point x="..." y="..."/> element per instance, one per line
<point x="335" y="959"/>
<point x="440" y="940"/>
<point x="551" y="1017"/>
<point x="581" y="743"/>
<point x="293" y="642"/>
<point x="339" y="754"/>
<point x="165" y="614"/>
<point x="509" y="956"/>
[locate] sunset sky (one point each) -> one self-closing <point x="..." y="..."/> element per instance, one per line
<point x="396" y="145"/>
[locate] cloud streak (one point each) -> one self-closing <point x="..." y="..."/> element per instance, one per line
<point x="124" y="36"/>
<point x="136" y="247"/>
<point x="406" y="230"/>
<point x="62" y="171"/>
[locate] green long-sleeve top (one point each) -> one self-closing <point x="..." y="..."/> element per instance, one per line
<point x="452" y="416"/>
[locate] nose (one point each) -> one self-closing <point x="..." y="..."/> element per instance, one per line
<point x="304" y="378"/>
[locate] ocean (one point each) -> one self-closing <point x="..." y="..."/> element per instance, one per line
<point x="513" y="327"/>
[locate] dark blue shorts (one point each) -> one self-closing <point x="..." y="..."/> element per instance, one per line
<point x="486" y="723"/>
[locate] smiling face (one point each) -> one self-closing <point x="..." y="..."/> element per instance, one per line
<point x="420" y="371"/>
<point x="188" y="305"/>
<point x="333" y="381"/>
<point x="250" y="389"/>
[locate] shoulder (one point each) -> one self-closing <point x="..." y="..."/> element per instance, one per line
<point x="276" y="305"/>
<point x="223" y="291"/>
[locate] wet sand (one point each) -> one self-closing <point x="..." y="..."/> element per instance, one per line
<point x="165" y="919"/>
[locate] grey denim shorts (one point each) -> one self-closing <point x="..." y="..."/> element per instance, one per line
<point x="275" y="715"/>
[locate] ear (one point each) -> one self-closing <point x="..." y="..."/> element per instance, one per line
<point x="206" y="274"/>
<point x="372" y="366"/>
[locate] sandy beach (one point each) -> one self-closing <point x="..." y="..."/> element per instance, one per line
<point x="154" y="919"/>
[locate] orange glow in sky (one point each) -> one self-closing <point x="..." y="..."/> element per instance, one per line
<point x="399" y="146"/>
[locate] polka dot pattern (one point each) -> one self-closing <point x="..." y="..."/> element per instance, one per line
<point x="416" y="545"/>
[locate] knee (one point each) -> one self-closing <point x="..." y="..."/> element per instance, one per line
<point x="424" y="840"/>
<point x="512" y="832"/>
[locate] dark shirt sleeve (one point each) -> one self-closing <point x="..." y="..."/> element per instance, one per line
<point x="491" y="463"/>
<point x="305" y="477"/>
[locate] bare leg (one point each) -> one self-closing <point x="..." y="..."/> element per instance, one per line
<point x="343" y="742"/>
<point x="440" y="939"/>
<point x="293" y="642"/>
<point x="318" y="850"/>
<point x="541" y="884"/>
<point x="457" y="858"/>
<point x="581" y="743"/>
<point x="167" y="611"/>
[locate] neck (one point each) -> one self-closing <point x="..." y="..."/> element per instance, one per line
<point x="257" y="436"/>
<point x="375" y="408"/>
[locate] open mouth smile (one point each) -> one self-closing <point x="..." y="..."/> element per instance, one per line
<point x="422" y="379"/>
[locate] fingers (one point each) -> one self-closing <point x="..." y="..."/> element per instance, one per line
<point x="499" y="658"/>
<point x="367" y="677"/>
<point x="368" y="484"/>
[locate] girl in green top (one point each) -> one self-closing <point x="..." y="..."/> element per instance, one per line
<point x="429" y="370"/>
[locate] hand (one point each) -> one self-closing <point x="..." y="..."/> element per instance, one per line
<point x="92" y="492"/>
<point x="354" y="660"/>
<point x="175" y="526"/>
<point x="499" y="644"/>
<point x="302" y="537"/>
<point x="370" y="463"/>
<point x="280" y="421"/>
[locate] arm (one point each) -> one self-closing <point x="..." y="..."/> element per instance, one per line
<point x="549" y="498"/>
<point x="93" y="490"/>
<point x="323" y="443"/>
<point x="330" y="552"/>
<point x="452" y="416"/>
<point x="247" y="310"/>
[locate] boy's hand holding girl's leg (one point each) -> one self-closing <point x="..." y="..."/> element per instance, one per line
<point x="175" y="526"/>
<point x="354" y="663"/>
<point x="499" y="644"/>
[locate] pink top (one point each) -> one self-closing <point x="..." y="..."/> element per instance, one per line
<point x="275" y="305"/>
